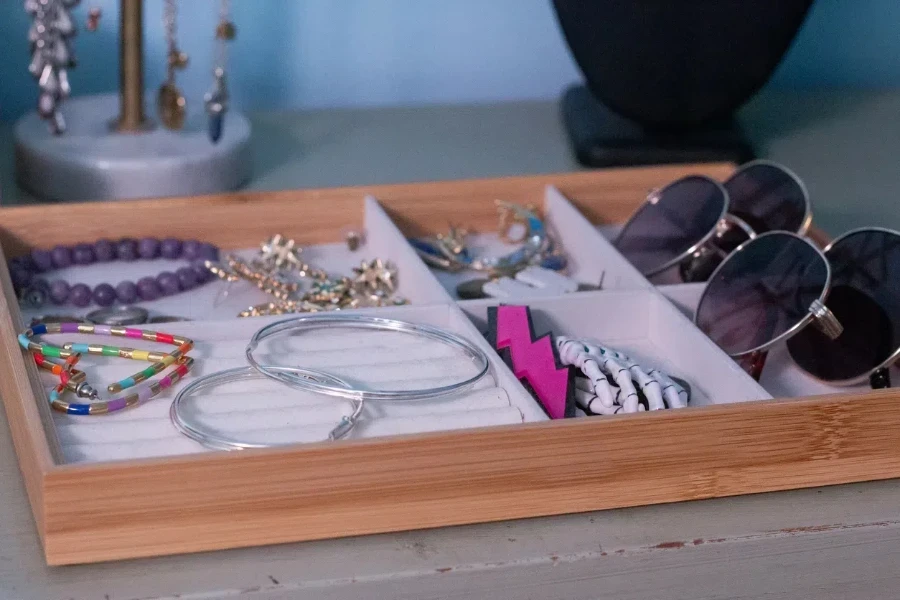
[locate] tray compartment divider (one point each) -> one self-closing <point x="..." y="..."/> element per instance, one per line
<point x="392" y="245"/>
<point x="592" y="256"/>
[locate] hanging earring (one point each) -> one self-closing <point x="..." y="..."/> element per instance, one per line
<point x="50" y="37"/>
<point x="217" y="98"/>
<point x="171" y="103"/>
<point x="93" y="18"/>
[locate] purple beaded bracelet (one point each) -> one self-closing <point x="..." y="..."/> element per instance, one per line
<point x="34" y="290"/>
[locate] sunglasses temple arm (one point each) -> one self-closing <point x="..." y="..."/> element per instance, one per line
<point x="880" y="379"/>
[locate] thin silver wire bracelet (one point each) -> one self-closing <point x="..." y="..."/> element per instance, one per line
<point x="313" y="380"/>
<point x="220" y="442"/>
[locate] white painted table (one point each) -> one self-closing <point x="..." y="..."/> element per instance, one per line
<point x="841" y="542"/>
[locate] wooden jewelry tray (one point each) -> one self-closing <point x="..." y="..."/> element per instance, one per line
<point x="734" y="442"/>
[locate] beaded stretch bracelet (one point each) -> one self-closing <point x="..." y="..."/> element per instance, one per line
<point x="34" y="290"/>
<point x="142" y="394"/>
<point x="160" y="360"/>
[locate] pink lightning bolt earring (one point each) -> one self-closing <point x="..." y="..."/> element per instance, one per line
<point x="535" y="361"/>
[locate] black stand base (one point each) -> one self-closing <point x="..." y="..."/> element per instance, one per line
<point x="602" y="138"/>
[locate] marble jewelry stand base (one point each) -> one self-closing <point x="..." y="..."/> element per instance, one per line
<point x="92" y="162"/>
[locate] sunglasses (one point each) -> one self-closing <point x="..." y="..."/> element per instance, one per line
<point x="695" y="222"/>
<point x="865" y="298"/>
<point x="773" y="287"/>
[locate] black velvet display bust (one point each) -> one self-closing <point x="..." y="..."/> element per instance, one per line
<point x="666" y="76"/>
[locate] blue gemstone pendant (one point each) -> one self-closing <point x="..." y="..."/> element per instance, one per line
<point x="215" y="127"/>
<point x="554" y="262"/>
<point x="216" y="102"/>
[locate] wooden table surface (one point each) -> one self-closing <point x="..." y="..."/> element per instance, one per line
<point x="841" y="542"/>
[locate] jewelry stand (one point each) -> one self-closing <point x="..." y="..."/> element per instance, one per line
<point x="102" y="157"/>
<point x="91" y="161"/>
<point x="601" y="137"/>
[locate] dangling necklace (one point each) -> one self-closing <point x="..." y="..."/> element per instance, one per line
<point x="171" y="103"/>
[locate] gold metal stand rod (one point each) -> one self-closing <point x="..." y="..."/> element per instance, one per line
<point x="131" y="68"/>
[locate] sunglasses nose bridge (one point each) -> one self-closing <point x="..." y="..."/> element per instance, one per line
<point x="825" y="321"/>
<point x="730" y="221"/>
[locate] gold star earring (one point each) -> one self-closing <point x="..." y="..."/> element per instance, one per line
<point x="375" y="275"/>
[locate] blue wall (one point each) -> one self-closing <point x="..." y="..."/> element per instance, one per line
<point x="319" y="53"/>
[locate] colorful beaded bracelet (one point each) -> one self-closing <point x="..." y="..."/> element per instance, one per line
<point x="160" y="360"/>
<point x="35" y="291"/>
<point x="73" y="379"/>
<point x="65" y="371"/>
<point x="142" y="394"/>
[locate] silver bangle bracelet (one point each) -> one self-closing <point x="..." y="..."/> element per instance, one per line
<point x="219" y="442"/>
<point x="313" y="381"/>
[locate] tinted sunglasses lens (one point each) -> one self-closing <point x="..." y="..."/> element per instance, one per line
<point x="865" y="298"/>
<point x="761" y="291"/>
<point x="768" y="198"/>
<point x="676" y="219"/>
